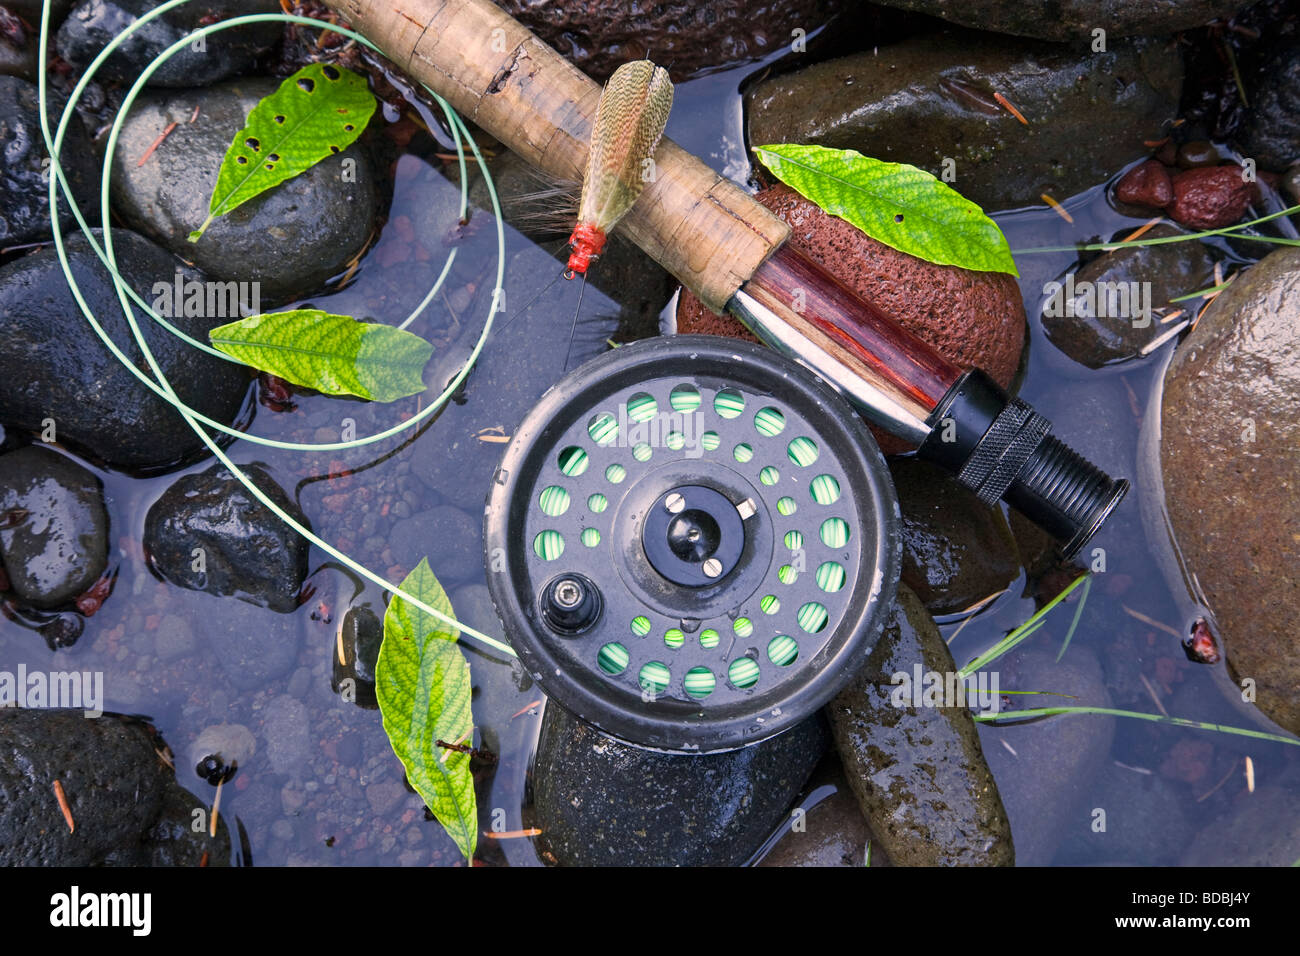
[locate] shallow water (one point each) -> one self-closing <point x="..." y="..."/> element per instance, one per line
<point x="336" y="797"/>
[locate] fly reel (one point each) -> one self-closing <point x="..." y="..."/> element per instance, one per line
<point x="693" y="543"/>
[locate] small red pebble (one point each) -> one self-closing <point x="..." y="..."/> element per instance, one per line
<point x="1146" y="185"/>
<point x="1210" y="197"/>
<point x="94" y="598"/>
<point x="1202" y="647"/>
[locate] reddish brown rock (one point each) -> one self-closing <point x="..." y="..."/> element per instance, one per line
<point x="1210" y="197"/>
<point x="1147" y="185"/>
<point x="973" y="318"/>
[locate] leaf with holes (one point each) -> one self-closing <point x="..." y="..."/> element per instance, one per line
<point x="423" y="686"/>
<point x="315" y="113"/>
<point x="334" y="354"/>
<point x="904" y="207"/>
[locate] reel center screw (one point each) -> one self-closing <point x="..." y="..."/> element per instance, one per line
<point x="694" y="535"/>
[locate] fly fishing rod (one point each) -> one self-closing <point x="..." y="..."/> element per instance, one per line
<point x="693" y="541"/>
<point x="734" y="255"/>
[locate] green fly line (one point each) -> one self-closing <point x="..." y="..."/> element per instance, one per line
<point x="163" y="387"/>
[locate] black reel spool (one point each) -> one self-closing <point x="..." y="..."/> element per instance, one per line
<point x="693" y="543"/>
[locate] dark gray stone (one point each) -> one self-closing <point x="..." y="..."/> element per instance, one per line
<point x="126" y="805"/>
<point x="830" y="833"/>
<point x="956" y="550"/>
<point x="24" y="172"/>
<point x="1261" y="829"/>
<point x="602" y="802"/>
<point x="1042" y="767"/>
<point x="1271" y="134"/>
<point x="447" y="536"/>
<point x="931" y="97"/>
<point x="1075" y="19"/>
<point x="94" y="23"/>
<point x="362" y="632"/>
<point x="287" y="731"/>
<point x="918" y="772"/>
<point x="1094" y="337"/>
<point x="97" y="404"/>
<point x="256" y="647"/>
<point x="56" y="545"/>
<point x="1229" y="430"/>
<point x="246" y="550"/>
<point x="1146" y="820"/>
<point x="289" y="239"/>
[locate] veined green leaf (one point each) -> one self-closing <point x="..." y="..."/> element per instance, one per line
<point x="423" y="686"/>
<point x="902" y="206"/>
<point x="315" y="113"/>
<point x="335" y="354"/>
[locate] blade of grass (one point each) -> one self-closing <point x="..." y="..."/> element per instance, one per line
<point x="1226" y="230"/>
<point x="1021" y="632"/>
<point x="1083" y="599"/>
<point x="1037" y="712"/>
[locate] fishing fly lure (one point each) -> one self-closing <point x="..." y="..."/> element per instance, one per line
<point x="630" y="120"/>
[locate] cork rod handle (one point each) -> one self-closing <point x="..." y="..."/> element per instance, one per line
<point x="699" y="226"/>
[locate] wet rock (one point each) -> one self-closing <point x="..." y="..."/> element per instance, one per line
<point x="24" y="186"/>
<point x="53" y="526"/>
<point x="243" y="549"/>
<point x="18" y="59"/>
<point x="94" y="23"/>
<point x="1042" y="767"/>
<point x="1075" y="19"/>
<point x="289" y="240"/>
<point x="117" y="789"/>
<point x="1210" y="197"/>
<point x="973" y="318"/>
<point x="361" y="632"/>
<point x="1146" y="820"/>
<point x="956" y="550"/>
<point x="1271" y="134"/>
<point x="94" y="402"/>
<point x="1229" y="430"/>
<point x="1097" y="317"/>
<point x="171" y="841"/>
<point x="830" y="833"/>
<point x="174" y="638"/>
<point x="600" y="802"/>
<point x="447" y="536"/>
<point x="931" y="97"/>
<point x="31" y="10"/>
<point x="1261" y="829"/>
<point x="1198" y="153"/>
<point x="692" y="35"/>
<point x="255" y="647"/>
<point x="1148" y="184"/>
<point x="918" y="771"/>
<point x="287" y="732"/>
<point x="1291" y="183"/>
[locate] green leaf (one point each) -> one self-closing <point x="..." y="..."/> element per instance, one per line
<point x="422" y="682"/>
<point x="902" y="206"/>
<point x="315" y="113"/>
<point x="335" y="354"/>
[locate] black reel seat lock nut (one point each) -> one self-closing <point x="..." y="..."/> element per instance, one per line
<point x="1002" y="449"/>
